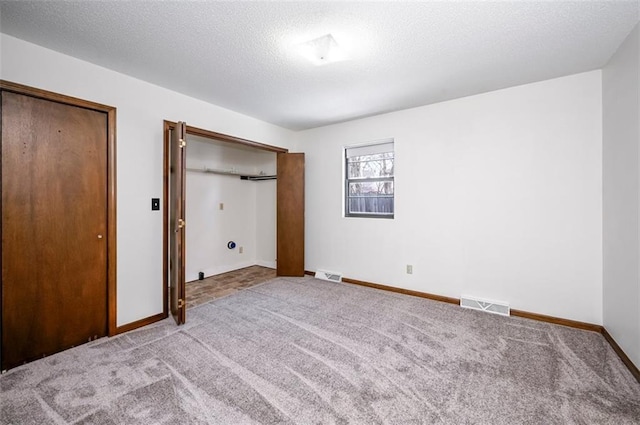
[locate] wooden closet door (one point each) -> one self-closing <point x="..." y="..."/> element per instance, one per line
<point x="177" y="170"/>
<point x="54" y="227"/>
<point x="290" y="215"/>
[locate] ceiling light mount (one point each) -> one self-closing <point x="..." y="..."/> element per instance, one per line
<point x="322" y="50"/>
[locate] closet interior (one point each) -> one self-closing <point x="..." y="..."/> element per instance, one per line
<point x="230" y="208"/>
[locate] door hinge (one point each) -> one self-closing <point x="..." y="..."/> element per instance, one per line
<point x="180" y="303"/>
<point x="181" y="223"/>
<point x="183" y="143"/>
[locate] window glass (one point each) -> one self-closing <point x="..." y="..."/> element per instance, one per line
<point x="369" y="181"/>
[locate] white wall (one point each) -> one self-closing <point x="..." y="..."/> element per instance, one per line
<point x="497" y="195"/>
<point x="141" y="108"/>
<point x="266" y="223"/>
<point x="621" y="171"/>
<point x="209" y="228"/>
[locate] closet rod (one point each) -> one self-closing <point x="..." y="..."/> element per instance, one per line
<point x="253" y="177"/>
<point x="258" y="178"/>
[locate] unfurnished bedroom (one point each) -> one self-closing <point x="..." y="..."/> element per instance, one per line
<point x="308" y="212"/>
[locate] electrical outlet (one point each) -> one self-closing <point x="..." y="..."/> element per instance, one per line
<point x="409" y="269"/>
<point x="241" y="250"/>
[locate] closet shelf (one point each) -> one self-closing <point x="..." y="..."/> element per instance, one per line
<point x="243" y="176"/>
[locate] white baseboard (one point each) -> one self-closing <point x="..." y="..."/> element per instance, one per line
<point x="270" y="264"/>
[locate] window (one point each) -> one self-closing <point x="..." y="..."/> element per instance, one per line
<point x="369" y="180"/>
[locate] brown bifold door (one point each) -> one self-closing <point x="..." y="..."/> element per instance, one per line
<point x="54" y="226"/>
<point x="290" y="214"/>
<point x="177" y="152"/>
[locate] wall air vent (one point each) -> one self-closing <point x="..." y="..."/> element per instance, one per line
<point x="495" y="307"/>
<point x="330" y="276"/>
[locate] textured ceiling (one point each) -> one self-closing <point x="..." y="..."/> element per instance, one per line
<point x="240" y="55"/>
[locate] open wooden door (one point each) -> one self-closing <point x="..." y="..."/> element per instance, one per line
<point x="177" y="147"/>
<point x="290" y="215"/>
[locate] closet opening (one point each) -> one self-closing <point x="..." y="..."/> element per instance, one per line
<point x="230" y="207"/>
<point x="224" y="211"/>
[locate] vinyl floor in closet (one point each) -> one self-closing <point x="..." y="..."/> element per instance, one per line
<point x="210" y="288"/>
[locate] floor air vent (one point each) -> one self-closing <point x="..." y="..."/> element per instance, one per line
<point x="330" y="276"/>
<point x="495" y="307"/>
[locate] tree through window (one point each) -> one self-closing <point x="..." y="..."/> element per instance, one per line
<point x="369" y="184"/>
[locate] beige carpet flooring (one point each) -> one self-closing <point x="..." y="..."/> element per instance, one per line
<point x="305" y="351"/>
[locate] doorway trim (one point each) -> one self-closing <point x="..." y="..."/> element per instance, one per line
<point x="207" y="134"/>
<point x="111" y="307"/>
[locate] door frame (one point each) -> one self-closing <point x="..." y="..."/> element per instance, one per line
<point x="169" y="126"/>
<point x="111" y="307"/>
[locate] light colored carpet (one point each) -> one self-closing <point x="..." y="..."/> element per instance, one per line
<point x="304" y="351"/>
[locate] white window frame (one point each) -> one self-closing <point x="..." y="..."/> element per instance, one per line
<point x="379" y="146"/>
